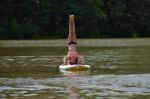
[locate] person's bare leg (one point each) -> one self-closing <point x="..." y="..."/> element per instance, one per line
<point x="72" y="35"/>
<point x="73" y="30"/>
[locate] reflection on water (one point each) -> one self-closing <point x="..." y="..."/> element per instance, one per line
<point x="72" y="87"/>
<point x="116" y="73"/>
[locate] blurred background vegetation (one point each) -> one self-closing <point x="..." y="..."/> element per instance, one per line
<point x="45" y="19"/>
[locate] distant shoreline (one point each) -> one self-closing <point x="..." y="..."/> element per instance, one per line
<point x="126" y="42"/>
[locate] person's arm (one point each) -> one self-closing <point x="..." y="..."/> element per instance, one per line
<point x="66" y="60"/>
<point x="81" y="58"/>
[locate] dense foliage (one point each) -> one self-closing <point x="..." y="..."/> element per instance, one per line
<point x="33" y="19"/>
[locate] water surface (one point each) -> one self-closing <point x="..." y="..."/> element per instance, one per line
<point x="117" y="72"/>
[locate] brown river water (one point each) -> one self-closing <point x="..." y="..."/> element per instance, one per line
<point x="120" y="69"/>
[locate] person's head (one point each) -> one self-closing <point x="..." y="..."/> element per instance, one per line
<point x="73" y="60"/>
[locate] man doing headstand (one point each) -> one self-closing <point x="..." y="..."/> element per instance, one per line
<point x="72" y="56"/>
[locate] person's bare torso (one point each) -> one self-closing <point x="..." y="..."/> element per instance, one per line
<point x="72" y="53"/>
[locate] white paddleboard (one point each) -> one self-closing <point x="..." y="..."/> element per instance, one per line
<point x="74" y="72"/>
<point x="74" y="67"/>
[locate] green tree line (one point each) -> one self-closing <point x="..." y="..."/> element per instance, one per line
<point x="35" y="19"/>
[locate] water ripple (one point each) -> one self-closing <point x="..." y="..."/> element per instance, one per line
<point x="93" y="86"/>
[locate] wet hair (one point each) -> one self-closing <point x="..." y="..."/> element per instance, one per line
<point x="72" y="42"/>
